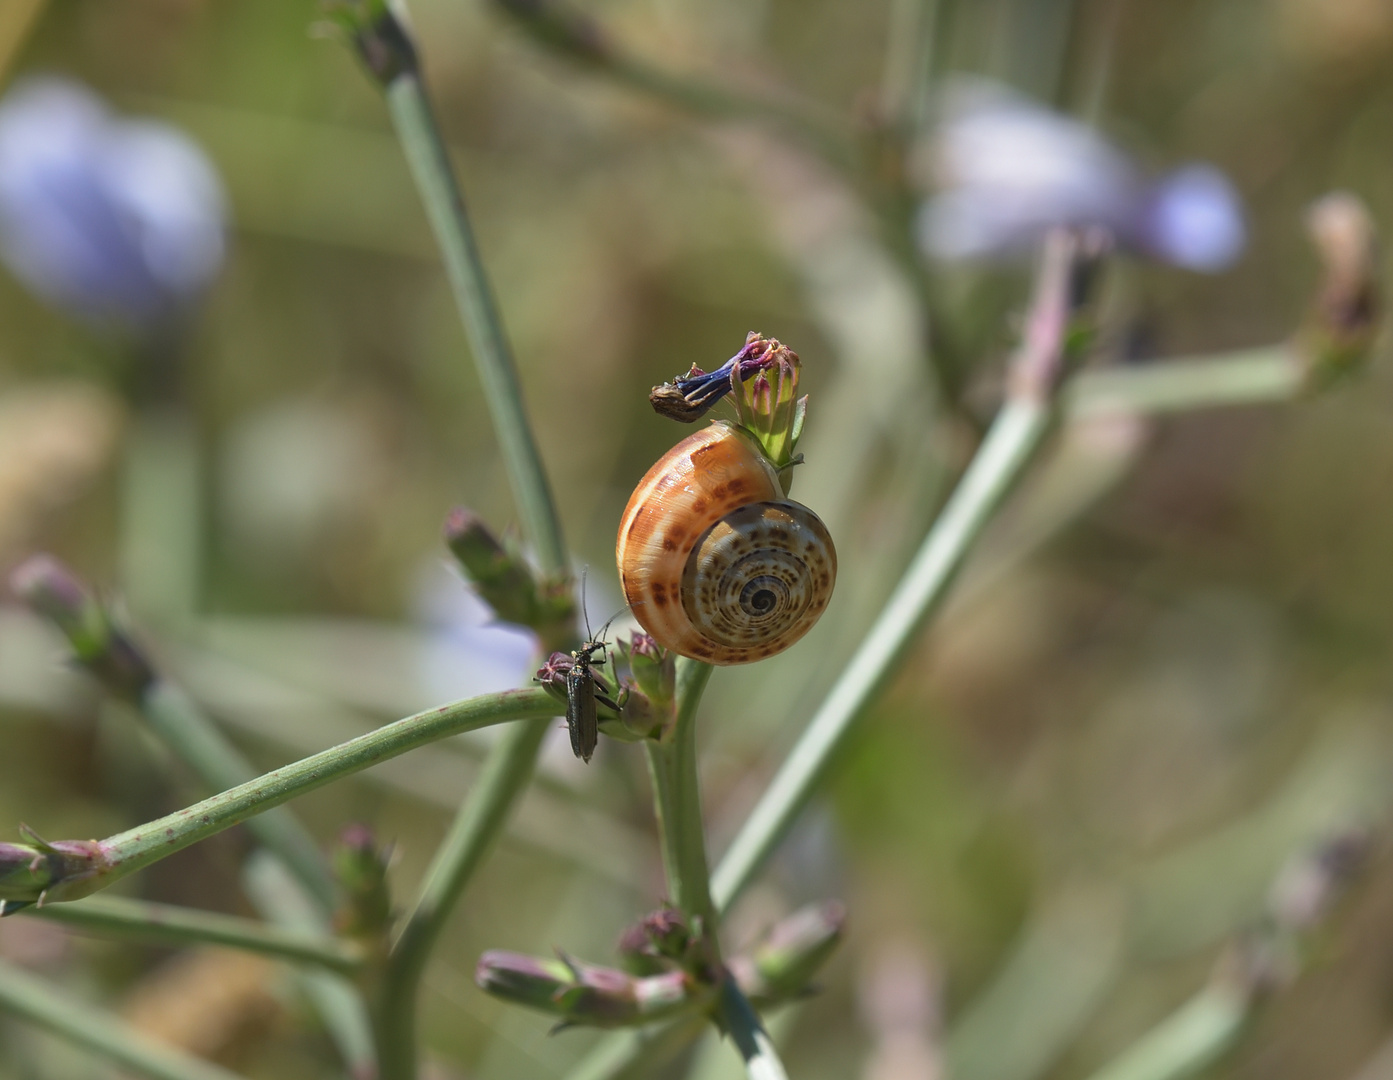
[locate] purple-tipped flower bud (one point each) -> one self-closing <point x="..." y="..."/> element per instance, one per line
<point x="650" y="705"/>
<point x="361" y="868"/>
<point x="782" y="964"/>
<point x="762" y="380"/>
<point x="582" y="994"/>
<point x="1344" y="320"/>
<point x="55" y="592"/>
<point x="1311" y="882"/>
<point x="38" y="870"/>
<point x="660" y="936"/>
<point x="552" y="674"/>
<point x="504" y="579"/>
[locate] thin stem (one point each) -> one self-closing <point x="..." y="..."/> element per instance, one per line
<point x="672" y="764"/>
<point x="198" y="742"/>
<point x="1246" y="377"/>
<point x="169" y="924"/>
<point x="137" y="848"/>
<point x="1187" y="1041"/>
<point x="278" y="897"/>
<point x="473" y="833"/>
<point x="35" y="1000"/>
<point x="584" y="41"/>
<point x="1008" y="446"/>
<point x="746" y="1031"/>
<point x="429" y="160"/>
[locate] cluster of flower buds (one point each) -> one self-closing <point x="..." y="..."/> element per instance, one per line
<point x="644" y="686"/>
<point x="762" y="381"/>
<point x="506" y="581"/>
<point x="1340" y="329"/>
<point x="37" y="870"/>
<point x="668" y="971"/>
<point x="360" y="866"/>
<point x="98" y="641"/>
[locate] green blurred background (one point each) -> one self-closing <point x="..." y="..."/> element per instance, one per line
<point x="1166" y="672"/>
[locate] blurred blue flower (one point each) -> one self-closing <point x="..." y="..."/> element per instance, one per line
<point x="1007" y="170"/>
<point x="111" y="220"/>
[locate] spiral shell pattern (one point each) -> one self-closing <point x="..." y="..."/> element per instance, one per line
<point x="715" y="562"/>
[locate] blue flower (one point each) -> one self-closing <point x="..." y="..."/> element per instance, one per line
<point x="1007" y="170"/>
<point x="113" y="221"/>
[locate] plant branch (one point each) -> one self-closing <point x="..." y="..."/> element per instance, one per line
<point x="476" y="827"/>
<point x="98" y="1031"/>
<point x="1249" y="376"/>
<point x="583" y="40"/>
<point x="198" y="742"/>
<point x="169" y="924"/>
<point x="672" y="765"/>
<point x="429" y="160"/>
<point x="110" y="860"/>
<point x="1187" y="1041"/>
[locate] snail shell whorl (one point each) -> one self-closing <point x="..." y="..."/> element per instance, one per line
<point x="715" y="562"/>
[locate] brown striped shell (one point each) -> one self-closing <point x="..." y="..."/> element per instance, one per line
<point x="716" y="563"/>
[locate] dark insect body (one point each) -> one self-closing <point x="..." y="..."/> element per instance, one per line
<point x="582" y="695"/>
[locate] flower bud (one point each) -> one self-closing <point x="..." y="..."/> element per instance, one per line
<point x="781" y="965"/>
<point x="1344" y="320"/>
<point x="504" y="579"/>
<point x="55" y="592"/>
<point x="584" y="994"/>
<point x="650" y="690"/>
<point x="38" y="870"/>
<point x="361" y="869"/>
<point x="660" y="936"/>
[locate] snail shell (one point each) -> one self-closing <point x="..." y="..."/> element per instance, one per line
<point x="716" y="563"/>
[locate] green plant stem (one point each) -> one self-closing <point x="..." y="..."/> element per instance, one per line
<point x="640" y="1053"/>
<point x="1008" y="446"/>
<point x="137" y="848"/>
<point x="742" y="1024"/>
<point x="37" y="1001"/>
<point x="429" y="161"/>
<point x="1191" y="1038"/>
<point x="477" y="826"/>
<point x="168" y="924"/>
<point x="198" y="742"/>
<point x="1250" y="376"/>
<point x="672" y="765"/>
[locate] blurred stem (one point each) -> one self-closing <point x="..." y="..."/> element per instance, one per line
<point x="640" y="1053"/>
<point x="672" y="765"/>
<point x="52" y="1009"/>
<point x="1187" y="1041"/>
<point x="477" y="826"/>
<point x="582" y="40"/>
<point x="198" y="742"/>
<point x="282" y="900"/>
<point x="1249" y="376"/>
<point x="429" y="161"/>
<point x="742" y="1023"/>
<point x="137" y="848"/>
<point x="161" y="516"/>
<point x="168" y="924"/>
<point x="1009" y="445"/>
